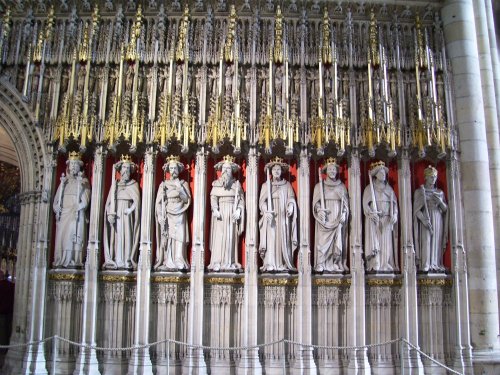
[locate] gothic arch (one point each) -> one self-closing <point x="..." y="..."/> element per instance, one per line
<point x="18" y="121"/>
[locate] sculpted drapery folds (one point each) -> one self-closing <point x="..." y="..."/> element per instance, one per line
<point x="278" y="222"/>
<point x="331" y="211"/>
<point x="172" y="235"/>
<point x="228" y="218"/>
<point x="430" y="223"/>
<point x="381" y="215"/>
<point x="122" y="213"/>
<point x="70" y="203"/>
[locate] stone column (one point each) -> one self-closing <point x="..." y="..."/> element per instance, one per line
<point x="484" y="41"/>
<point x="412" y="360"/>
<point x="35" y="362"/>
<point x="462" y="360"/>
<point x="495" y="64"/>
<point x="304" y="288"/>
<point x="249" y="363"/>
<point x="87" y="361"/>
<point x="358" y="363"/>
<point x="194" y="362"/>
<point x="34" y="359"/>
<point x="462" y="49"/>
<point x="140" y="362"/>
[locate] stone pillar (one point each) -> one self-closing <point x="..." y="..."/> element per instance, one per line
<point x="304" y="289"/>
<point x="358" y="363"/>
<point x="249" y="363"/>
<point x="412" y="360"/>
<point x="87" y="361"/>
<point x="34" y="362"/>
<point x="34" y="359"/>
<point x="485" y="38"/>
<point x="495" y="64"/>
<point x="140" y="362"/>
<point x="194" y="362"/>
<point x="462" y="360"/>
<point x="462" y="49"/>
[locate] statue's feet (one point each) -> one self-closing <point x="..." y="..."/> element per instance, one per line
<point x="319" y="269"/>
<point x="214" y="268"/>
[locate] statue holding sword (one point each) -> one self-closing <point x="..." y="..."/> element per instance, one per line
<point x="381" y="216"/>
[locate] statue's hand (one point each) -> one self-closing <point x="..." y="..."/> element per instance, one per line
<point x="269" y="215"/>
<point x="57" y="211"/>
<point x="128" y="211"/>
<point x="111" y="218"/>
<point x="374" y="217"/>
<point x="322" y="215"/>
<point x="236" y="215"/>
<point x="217" y="214"/>
<point x="428" y="225"/>
<point x="394" y="218"/>
<point x="289" y="211"/>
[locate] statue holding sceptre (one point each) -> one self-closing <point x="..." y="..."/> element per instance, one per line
<point x="331" y="211"/>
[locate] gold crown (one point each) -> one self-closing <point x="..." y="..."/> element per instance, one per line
<point x="74" y="155"/>
<point x="126" y="158"/>
<point x="228" y="159"/>
<point x="377" y="164"/>
<point x="277" y="160"/>
<point x="430" y="171"/>
<point x="173" y="159"/>
<point x="330" y="161"/>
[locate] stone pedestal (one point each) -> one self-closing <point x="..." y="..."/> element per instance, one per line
<point x="116" y="321"/>
<point x="170" y="302"/>
<point x="64" y="317"/>
<point x="331" y="321"/>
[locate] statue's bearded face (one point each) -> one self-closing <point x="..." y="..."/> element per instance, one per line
<point x="173" y="170"/>
<point x="125" y="172"/>
<point x="74" y="167"/>
<point x="276" y="172"/>
<point x="331" y="171"/>
<point x="226" y="175"/>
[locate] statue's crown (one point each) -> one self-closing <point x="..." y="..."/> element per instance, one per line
<point x="430" y="171"/>
<point x="228" y="159"/>
<point x="377" y="164"/>
<point x="330" y="161"/>
<point x="74" y="155"/>
<point x="277" y="160"/>
<point x="173" y="159"/>
<point x="126" y="158"/>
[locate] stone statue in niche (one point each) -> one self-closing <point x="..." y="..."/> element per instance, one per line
<point x="228" y="217"/>
<point x="172" y="235"/>
<point x="122" y="218"/>
<point x="278" y="222"/>
<point x="381" y="217"/>
<point x="70" y="202"/>
<point x="331" y="211"/>
<point x="430" y="223"/>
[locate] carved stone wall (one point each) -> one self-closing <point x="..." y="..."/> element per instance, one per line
<point x="359" y="82"/>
